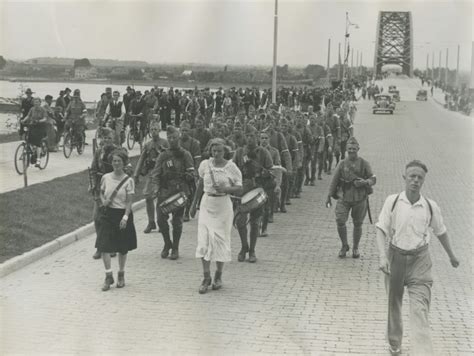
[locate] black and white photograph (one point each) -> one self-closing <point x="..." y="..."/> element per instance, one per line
<point x="236" y="177"/>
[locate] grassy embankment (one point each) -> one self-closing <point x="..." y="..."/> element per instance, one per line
<point x="35" y="215"/>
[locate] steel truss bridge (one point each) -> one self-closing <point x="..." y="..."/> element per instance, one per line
<point x="394" y="41"/>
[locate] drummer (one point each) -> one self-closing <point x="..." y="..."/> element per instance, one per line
<point x="255" y="163"/>
<point x="173" y="173"/>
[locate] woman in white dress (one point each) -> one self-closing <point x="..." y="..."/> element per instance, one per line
<point x="218" y="179"/>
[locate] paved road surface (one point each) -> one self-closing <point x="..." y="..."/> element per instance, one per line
<point x="299" y="298"/>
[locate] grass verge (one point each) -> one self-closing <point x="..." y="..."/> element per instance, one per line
<point x="9" y="137"/>
<point x="35" y="215"/>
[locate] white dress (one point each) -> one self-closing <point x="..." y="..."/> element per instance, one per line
<point x="216" y="213"/>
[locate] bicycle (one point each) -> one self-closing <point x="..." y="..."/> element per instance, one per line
<point x="135" y="133"/>
<point x="73" y="139"/>
<point x="25" y="154"/>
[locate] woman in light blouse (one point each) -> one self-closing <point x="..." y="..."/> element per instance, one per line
<point x="218" y="179"/>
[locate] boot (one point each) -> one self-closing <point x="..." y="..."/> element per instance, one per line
<point x="342" y="231"/>
<point x="243" y="241"/>
<point x="109" y="280"/>
<point x="97" y="255"/>
<point x="252" y="257"/>
<point x="151" y="226"/>
<point x="175" y="246"/>
<point x="166" y="248"/>
<point x="121" y="279"/>
<point x="253" y="243"/>
<point x="356" y="235"/>
<point x="206" y="282"/>
<point x="217" y="281"/>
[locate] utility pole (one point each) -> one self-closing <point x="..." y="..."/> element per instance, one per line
<point x="432" y="65"/>
<point x="339" y="62"/>
<point x="329" y="61"/>
<point x="346" y="34"/>
<point x="446" y="71"/>
<point x="439" y="70"/>
<point x="361" y="65"/>
<point x="457" y="67"/>
<point x="427" y="66"/>
<point x="352" y="62"/>
<point x="275" y="41"/>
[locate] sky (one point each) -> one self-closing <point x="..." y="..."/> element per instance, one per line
<point x="225" y="31"/>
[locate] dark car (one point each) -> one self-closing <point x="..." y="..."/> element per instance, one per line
<point x="383" y="103"/>
<point x="422" y="95"/>
<point x="392" y="88"/>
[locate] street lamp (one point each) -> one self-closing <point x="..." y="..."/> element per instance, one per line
<point x="346" y="48"/>
<point x="275" y="41"/>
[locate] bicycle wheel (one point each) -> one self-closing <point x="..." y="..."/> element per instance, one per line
<point x="67" y="146"/>
<point x="80" y="144"/>
<point x="130" y="139"/>
<point x="20" y="158"/>
<point x="44" y="155"/>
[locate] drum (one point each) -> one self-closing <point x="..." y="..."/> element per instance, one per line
<point x="252" y="200"/>
<point x="174" y="203"/>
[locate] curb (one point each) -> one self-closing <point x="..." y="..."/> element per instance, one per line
<point x="18" y="262"/>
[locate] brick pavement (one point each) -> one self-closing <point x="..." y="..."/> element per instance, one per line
<point x="299" y="298"/>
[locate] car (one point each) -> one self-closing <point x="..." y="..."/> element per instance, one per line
<point x="383" y="103"/>
<point x="422" y="95"/>
<point x="392" y="88"/>
<point x="396" y="95"/>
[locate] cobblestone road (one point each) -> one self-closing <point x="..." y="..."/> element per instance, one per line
<point x="299" y="298"/>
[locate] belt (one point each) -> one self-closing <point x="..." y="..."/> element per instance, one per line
<point x="216" y="195"/>
<point x="409" y="252"/>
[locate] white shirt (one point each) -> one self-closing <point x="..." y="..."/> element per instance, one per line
<point x="408" y="225"/>
<point x="229" y="175"/>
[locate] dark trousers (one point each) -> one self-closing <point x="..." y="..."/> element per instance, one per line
<point x="268" y="209"/>
<point x="285" y="185"/>
<point x="254" y="222"/>
<point x="413" y="270"/>
<point x="176" y="222"/>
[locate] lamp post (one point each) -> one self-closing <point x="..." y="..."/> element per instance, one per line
<point x="275" y="41"/>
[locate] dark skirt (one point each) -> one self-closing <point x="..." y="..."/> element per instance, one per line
<point x="110" y="238"/>
<point x="37" y="134"/>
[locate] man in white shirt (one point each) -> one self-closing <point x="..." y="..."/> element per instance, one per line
<point x="115" y="111"/>
<point x="408" y="219"/>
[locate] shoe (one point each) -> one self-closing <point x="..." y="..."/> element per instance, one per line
<point x="241" y="255"/>
<point x="343" y="251"/>
<point x="165" y="252"/>
<point x="312" y="183"/>
<point x="217" y="284"/>
<point x="206" y="282"/>
<point x="109" y="280"/>
<point x="186" y="218"/>
<point x="394" y="350"/>
<point x="97" y="255"/>
<point x="151" y="226"/>
<point x="270" y="219"/>
<point x="355" y="253"/>
<point x="283" y="209"/>
<point x="288" y="202"/>
<point x="37" y="164"/>
<point x="297" y="196"/>
<point x="121" y="279"/>
<point x="328" y="172"/>
<point x="306" y="182"/>
<point x="264" y="234"/>
<point x="113" y="254"/>
<point x="174" y="254"/>
<point x="252" y="257"/>
<point x="320" y="178"/>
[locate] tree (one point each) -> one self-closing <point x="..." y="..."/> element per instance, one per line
<point x="3" y="62"/>
<point x="84" y="62"/>
<point x="315" y="71"/>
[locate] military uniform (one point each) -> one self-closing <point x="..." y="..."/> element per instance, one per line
<point x="333" y="142"/>
<point x="254" y="165"/>
<point x="172" y="174"/>
<point x="293" y="149"/>
<point x="304" y="146"/>
<point x="354" y="198"/>
<point x="277" y="140"/>
<point x="273" y="196"/>
<point x="316" y="150"/>
<point x="194" y="148"/>
<point x="346" y="132"/>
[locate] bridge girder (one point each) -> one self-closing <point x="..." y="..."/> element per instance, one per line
<point x="394" y="41"/>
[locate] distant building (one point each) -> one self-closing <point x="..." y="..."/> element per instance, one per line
<point x="187" y="73"/>
<point x="120" y="71"/>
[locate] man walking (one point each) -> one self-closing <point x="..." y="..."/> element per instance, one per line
<point x="354" y="175"/>
<point x="407" y="219"/>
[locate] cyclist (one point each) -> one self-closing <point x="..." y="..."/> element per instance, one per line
<point x="76" y="115"/>
<point x="115" y="113"/>
<point x="26" y="105"/>
<point x="36" y="120"/>
<point x="137" y="110"/>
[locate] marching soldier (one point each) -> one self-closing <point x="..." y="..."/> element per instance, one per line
<point x="305" y="152"/>
<point x="255" y="163"/>
<point x="173" y="173"/>
<point x="332" y="140"/>
<point x="295" y="159"/>
<point x="145" y="165"/>
<point x="354" y="175"/>
<point x="194" y="148"/>
<point x="316" y="150"/>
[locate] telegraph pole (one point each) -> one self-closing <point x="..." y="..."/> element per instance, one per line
<point x="439" y="72"/>
<point x="446" y="71"/>
<point x="339" y="62"/>
<point x="346" y="34"/>
<point x="329" y="60"/>
<point x="457" y="67"/>
<point x="432" y="66"/>
<point x="427" y="65"/>
<point x="275" y="41"/>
